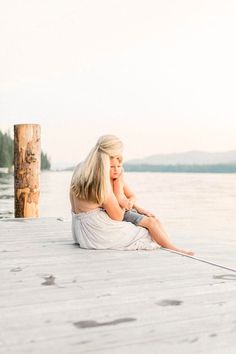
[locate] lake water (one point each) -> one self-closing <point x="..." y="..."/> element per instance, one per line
<point x="199" y="205"/>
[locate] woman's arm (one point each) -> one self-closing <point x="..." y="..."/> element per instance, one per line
<point x="118" y="188"/>
<point x="132" y="201"/>
<point x="113" y="208"/>
<point x="130" y="195"/>
<point x="143" y="211"/>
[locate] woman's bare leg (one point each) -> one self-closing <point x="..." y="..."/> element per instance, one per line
<point x="159" y="235"/>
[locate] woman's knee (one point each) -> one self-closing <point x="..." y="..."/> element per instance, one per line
<point x="149" y="221"/>
<point x="156" y="220"/>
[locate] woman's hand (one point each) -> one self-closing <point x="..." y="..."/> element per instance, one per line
<point x="144" y="212"/>
<point x="130" y="204"/>
<point x="123" y="202"/>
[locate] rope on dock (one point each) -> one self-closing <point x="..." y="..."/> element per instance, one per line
<point x="200" y="259"/>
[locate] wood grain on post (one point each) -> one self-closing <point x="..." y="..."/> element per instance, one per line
<point x="27" y="157"/>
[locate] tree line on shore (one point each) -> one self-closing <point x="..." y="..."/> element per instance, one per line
<point x="214" y="168"/>
<point x="7" y="153"/>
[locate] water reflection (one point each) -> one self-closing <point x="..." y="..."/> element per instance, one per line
<point x="6" y="195"/>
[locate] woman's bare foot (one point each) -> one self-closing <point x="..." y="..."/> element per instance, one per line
<point x="188" y="253"/>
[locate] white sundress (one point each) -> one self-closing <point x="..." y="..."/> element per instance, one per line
<point x="96" y="230"/>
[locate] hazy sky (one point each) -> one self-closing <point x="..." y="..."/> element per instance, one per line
<point x="159" y="74"/>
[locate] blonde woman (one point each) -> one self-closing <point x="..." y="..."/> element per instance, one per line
<point x="97" y="217"/>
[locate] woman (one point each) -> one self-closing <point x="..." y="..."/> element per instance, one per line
<point x="97" y="217"/>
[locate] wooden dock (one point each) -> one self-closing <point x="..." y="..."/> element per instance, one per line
<point x="58" y="298"/>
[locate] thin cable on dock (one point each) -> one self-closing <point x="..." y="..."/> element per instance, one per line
<point x="199" y="259"/>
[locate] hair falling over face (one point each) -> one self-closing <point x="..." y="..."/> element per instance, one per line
<point x="91" y="178"/>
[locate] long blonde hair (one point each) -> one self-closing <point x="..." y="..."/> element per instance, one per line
<point x="91" y="178"/>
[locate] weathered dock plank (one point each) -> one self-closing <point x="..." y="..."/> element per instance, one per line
<point x="57" y="297"/>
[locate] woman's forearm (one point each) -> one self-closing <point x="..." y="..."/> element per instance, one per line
<point x="132" y="199"/>
<point x="135" y="206"/>
<point x="119" y="194"/>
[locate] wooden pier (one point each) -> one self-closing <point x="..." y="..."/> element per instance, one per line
<point x="58" y="298"/>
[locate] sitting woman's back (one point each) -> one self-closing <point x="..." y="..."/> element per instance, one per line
<point x="96" y="214"/>
<point x="80" y="205"/>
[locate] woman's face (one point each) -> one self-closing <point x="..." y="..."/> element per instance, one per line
<point x="115" y="168"/>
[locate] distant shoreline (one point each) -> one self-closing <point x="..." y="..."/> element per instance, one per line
<point x="217" y="168"/>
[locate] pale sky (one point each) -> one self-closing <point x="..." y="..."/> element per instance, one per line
<point x="161" y="75"/>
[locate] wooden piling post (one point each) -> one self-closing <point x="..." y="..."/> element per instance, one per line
<point x="27" y="157"/>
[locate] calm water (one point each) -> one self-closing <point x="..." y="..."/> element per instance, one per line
<point x="196" y="204"/>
